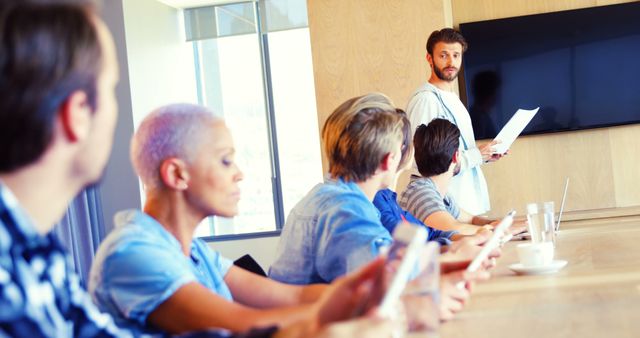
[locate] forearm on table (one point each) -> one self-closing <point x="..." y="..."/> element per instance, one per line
<point x="193" y="307"/>
<point x="448" y="223"/>
<point x="479" y="220"/>
<point x="311" y="293"/>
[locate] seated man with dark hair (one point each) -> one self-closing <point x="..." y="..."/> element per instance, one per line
<point x="391" y="214"/>
<point x="436" y="155"/>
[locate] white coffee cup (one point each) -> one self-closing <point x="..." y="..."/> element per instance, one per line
<point x="535" y="254"/>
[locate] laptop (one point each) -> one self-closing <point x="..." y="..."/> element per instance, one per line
<point x="525" y="235"/>
<point x="564" y="199"/>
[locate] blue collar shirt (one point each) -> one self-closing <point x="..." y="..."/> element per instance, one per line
<point x="140" y="265"/>
<point x="333" y="230"/>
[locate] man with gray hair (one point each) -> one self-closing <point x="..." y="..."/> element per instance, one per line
<point x="153" y="275"/>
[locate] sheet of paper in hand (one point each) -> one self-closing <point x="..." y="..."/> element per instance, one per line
<point x="513" y="128"/>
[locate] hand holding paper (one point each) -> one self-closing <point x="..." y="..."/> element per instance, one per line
<point x="488" y="152"/>
<point x="512" y="129"/>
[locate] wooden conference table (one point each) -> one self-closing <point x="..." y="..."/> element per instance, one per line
<point x="596" y="295"/>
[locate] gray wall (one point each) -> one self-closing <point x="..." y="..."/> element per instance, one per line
<point x="161" y="62"/>
<point x="119" y="187"/>
<point x="146" y="63"/>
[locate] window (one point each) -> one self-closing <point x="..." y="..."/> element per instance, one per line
<point x="253" y="65"/>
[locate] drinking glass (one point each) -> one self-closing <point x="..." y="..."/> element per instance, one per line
<point x="541" y="217"/>
<point x="421" y="297"/>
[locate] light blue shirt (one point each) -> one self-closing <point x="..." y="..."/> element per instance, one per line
<point x="140" y="265"/>
<point x="333" y="230"/>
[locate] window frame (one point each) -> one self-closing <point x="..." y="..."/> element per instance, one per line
<point x="276" y="178"/>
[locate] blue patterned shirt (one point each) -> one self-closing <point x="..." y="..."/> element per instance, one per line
<point x="333" y="230"/>
<point x="140" y="265"/>
<point x="40" y="294"/>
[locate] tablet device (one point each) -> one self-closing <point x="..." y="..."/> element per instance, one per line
<point x="522" y="236"/>
<point x="408" y="240"/>
<point x="505" y="239"/>
<point x="493" y="242"/>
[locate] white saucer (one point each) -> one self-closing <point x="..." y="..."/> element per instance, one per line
<point x="555" y="266"/>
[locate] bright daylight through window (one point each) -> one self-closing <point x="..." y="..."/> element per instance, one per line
<point x="253" y="67"/>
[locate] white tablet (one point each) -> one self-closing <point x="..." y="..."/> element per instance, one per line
<point x="493" y="242"/>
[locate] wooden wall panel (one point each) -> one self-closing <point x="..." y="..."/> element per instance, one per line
<point x="538" y="165"/>
<point x="359" y="46"/>
<point x="603" y="164"/>
<point x="625" y="159"/>
<point x="362" y="46"/>
<point x="473" y="10"/>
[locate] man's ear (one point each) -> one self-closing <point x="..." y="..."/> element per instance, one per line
<point x="456" y="154"/>
<point x="429" y="60"/>
<point x="75" y="116"/>
<point x="385" y="164"/>
<point x="174" y="173"/>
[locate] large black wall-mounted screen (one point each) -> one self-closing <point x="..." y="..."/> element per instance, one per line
<point x="581" y="67"/>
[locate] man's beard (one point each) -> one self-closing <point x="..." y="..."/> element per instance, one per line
<point x="440" y="73"/>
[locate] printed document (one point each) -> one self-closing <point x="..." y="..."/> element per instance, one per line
<point x="513" y="128"/>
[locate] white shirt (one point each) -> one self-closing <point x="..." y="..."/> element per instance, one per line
<point x="469" y="188"/>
